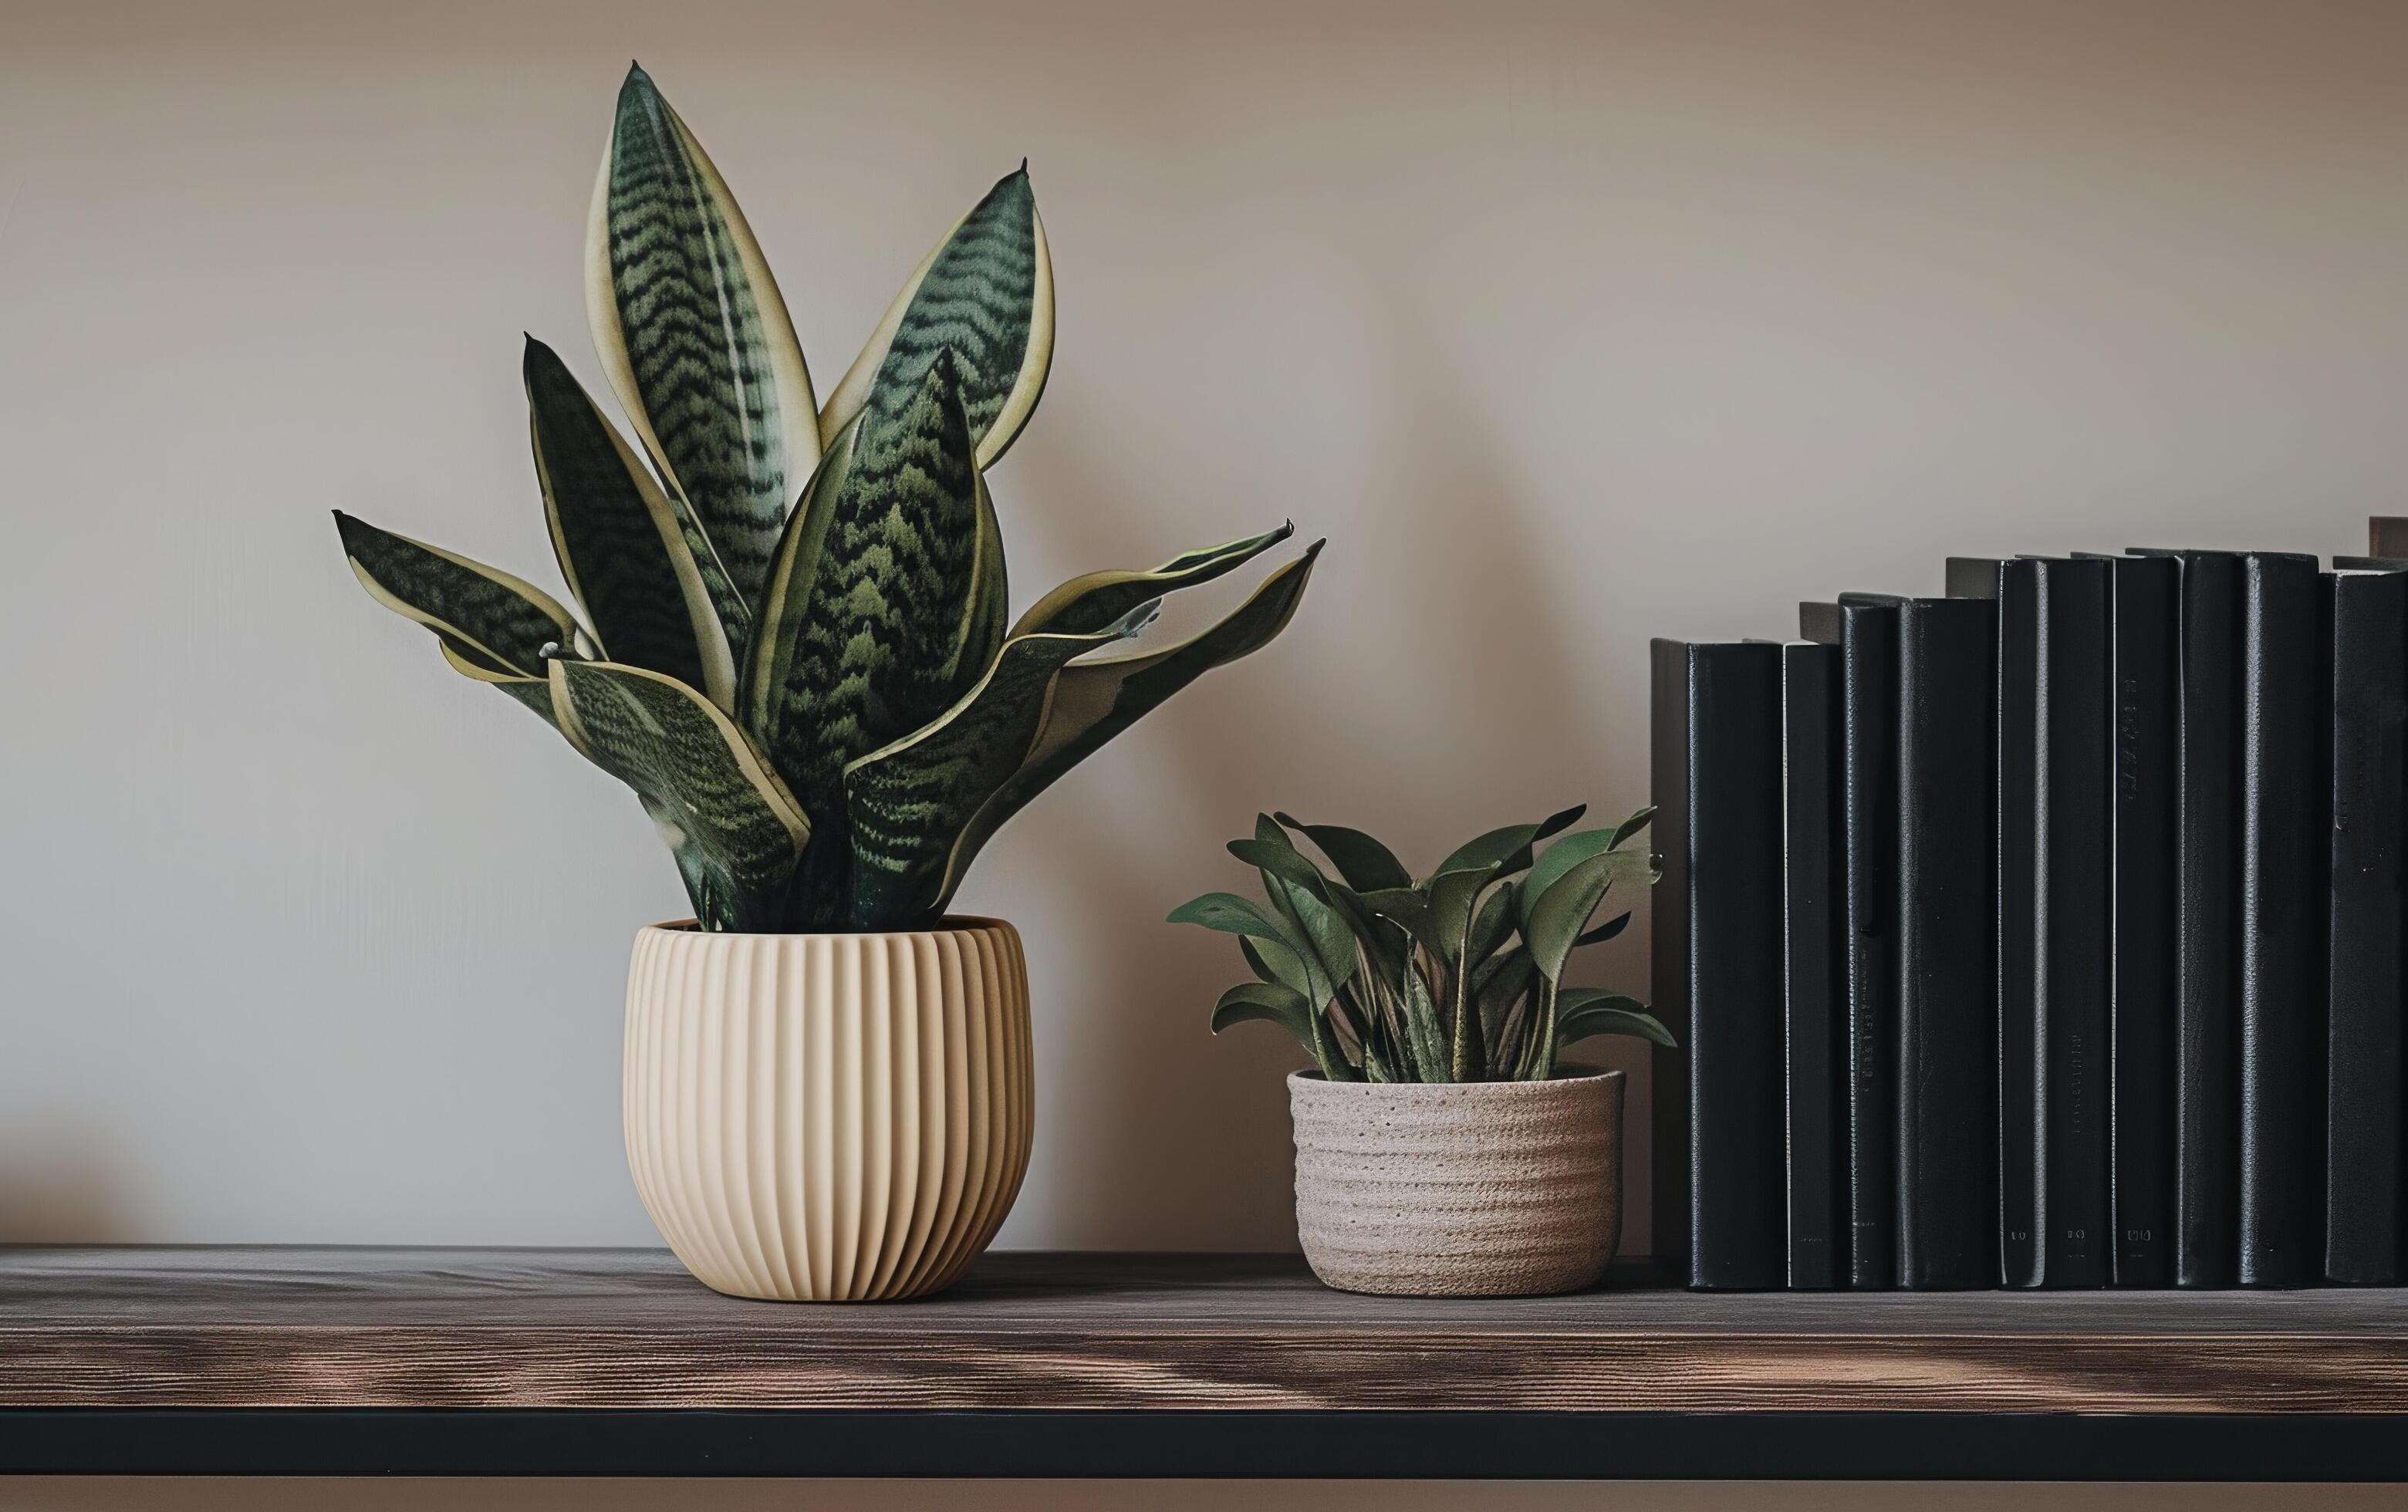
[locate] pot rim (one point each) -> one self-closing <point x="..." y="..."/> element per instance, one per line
<point x="950" y="924"/>
<point x="1572" y="1074"/>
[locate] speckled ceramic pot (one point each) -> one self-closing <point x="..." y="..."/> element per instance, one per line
<point x="1491" y="1188"/>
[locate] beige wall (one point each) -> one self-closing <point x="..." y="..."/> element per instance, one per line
<point x="1570" y="324"/>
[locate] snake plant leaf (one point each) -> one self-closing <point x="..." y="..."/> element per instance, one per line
<point x="736" y="832"/>
<point x="906" y="802"/>
<point x="986" y="610"/>
<point x="1562" y="911"/>
<point x="1264" y="1002"/>
<point x="1367" y="866"/>
<point x="1227" y="912"/>
<point x="533" y="693"/>
<point x="875" y="586"/>
<point x="986" y="292"/>
<point x="1505" y="845"/>
<point x="1631" y="826"/>
<point x="505" y="620"/>
<point x="1096" y="700"/>
<point x="1098" y="598"/>
<point x="695" y="335"/>
<point x="1584" y="1011"/>
<point x="635" y="558"/>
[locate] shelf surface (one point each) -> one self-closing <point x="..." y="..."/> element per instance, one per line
<point x="1052" y="1363"/>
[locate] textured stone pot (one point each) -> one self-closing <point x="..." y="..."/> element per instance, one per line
<point x="828" y="1117"/>
<point x="1489" y="1189"/>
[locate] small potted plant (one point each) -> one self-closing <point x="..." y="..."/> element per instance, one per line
<point x="1442" y="1147"/>
<point x="796" y="647"/>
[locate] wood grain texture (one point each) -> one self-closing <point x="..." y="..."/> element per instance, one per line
<point x="628" y="1329"/>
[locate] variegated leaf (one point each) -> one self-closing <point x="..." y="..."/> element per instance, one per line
<point x="856" y="645"/>
<point x="695" y="335"/>
<point x="987" y="292"/>
<point x="906" y="802"/>
<point x="634" y="556"/>
<point x="533" y="693"/>
<point x="1098" y="598"/>
<point x="1094" y="701"/>
<point x="986" y="610"/>
<point x="505" y="619"/>
<point x="736" y="832"/>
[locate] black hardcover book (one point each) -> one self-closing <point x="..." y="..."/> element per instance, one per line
<point x="1719" y="962"/>
<point x="2077" y="977"/>
<point x="2283" y="842"/>
<point x="2013" y="585"/>
<point x="2207" y="919"/>
<point x="1811" y="885"/>
<point x="2143" y="606"/>
<point x="2055" y="897"/>
<point x="1947" y="962"/>
<point x="1867" y="636"/>
<point x="2366" y="955"/>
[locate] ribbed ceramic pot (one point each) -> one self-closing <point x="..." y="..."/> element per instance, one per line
<point x="1488" y="1188"/>
<point x="829" y="1118"/>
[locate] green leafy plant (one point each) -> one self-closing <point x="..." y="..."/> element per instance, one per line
<point x="1456" y="976"/>
<point x="795" y="644"/>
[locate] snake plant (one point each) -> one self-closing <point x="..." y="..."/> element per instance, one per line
<point x="1456" y="976"/>
<point x="795" y="644"/>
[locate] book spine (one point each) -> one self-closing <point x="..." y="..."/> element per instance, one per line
<point x="2207" y="909"/>
<point x="2073" y="908"/>
<point x="2019" y="1008"/>
<point x="2365" y="953"/>
<point x="1868" y="815"/>
<point x="1737" y="1231"/>
<point x="2282" y="949"/>
<point x="2142" y="980"/>
<point x="1668" y="948"/>
<point x="1947" y="970"/>
<point x="1810" y="721"/>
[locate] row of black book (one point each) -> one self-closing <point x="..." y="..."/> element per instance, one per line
<point x="2047" y="932"/>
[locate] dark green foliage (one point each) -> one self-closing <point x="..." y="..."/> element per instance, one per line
<point x="702" y="339"/>
<point x="974" y="304"/>
<point x="628" y="549"/>
<point x="1458" y="977"/>
<point x="824" y="708"/>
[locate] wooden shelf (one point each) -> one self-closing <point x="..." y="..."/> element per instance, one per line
<point x="597" y="1361"/>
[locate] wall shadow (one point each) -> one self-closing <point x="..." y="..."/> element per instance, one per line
<point x="1443" y="574"/>
<point x="74" y="1198"/>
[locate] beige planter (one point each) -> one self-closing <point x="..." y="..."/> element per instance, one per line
<point x="828" y="1117"/>
<point x="1466" y="1190"/>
